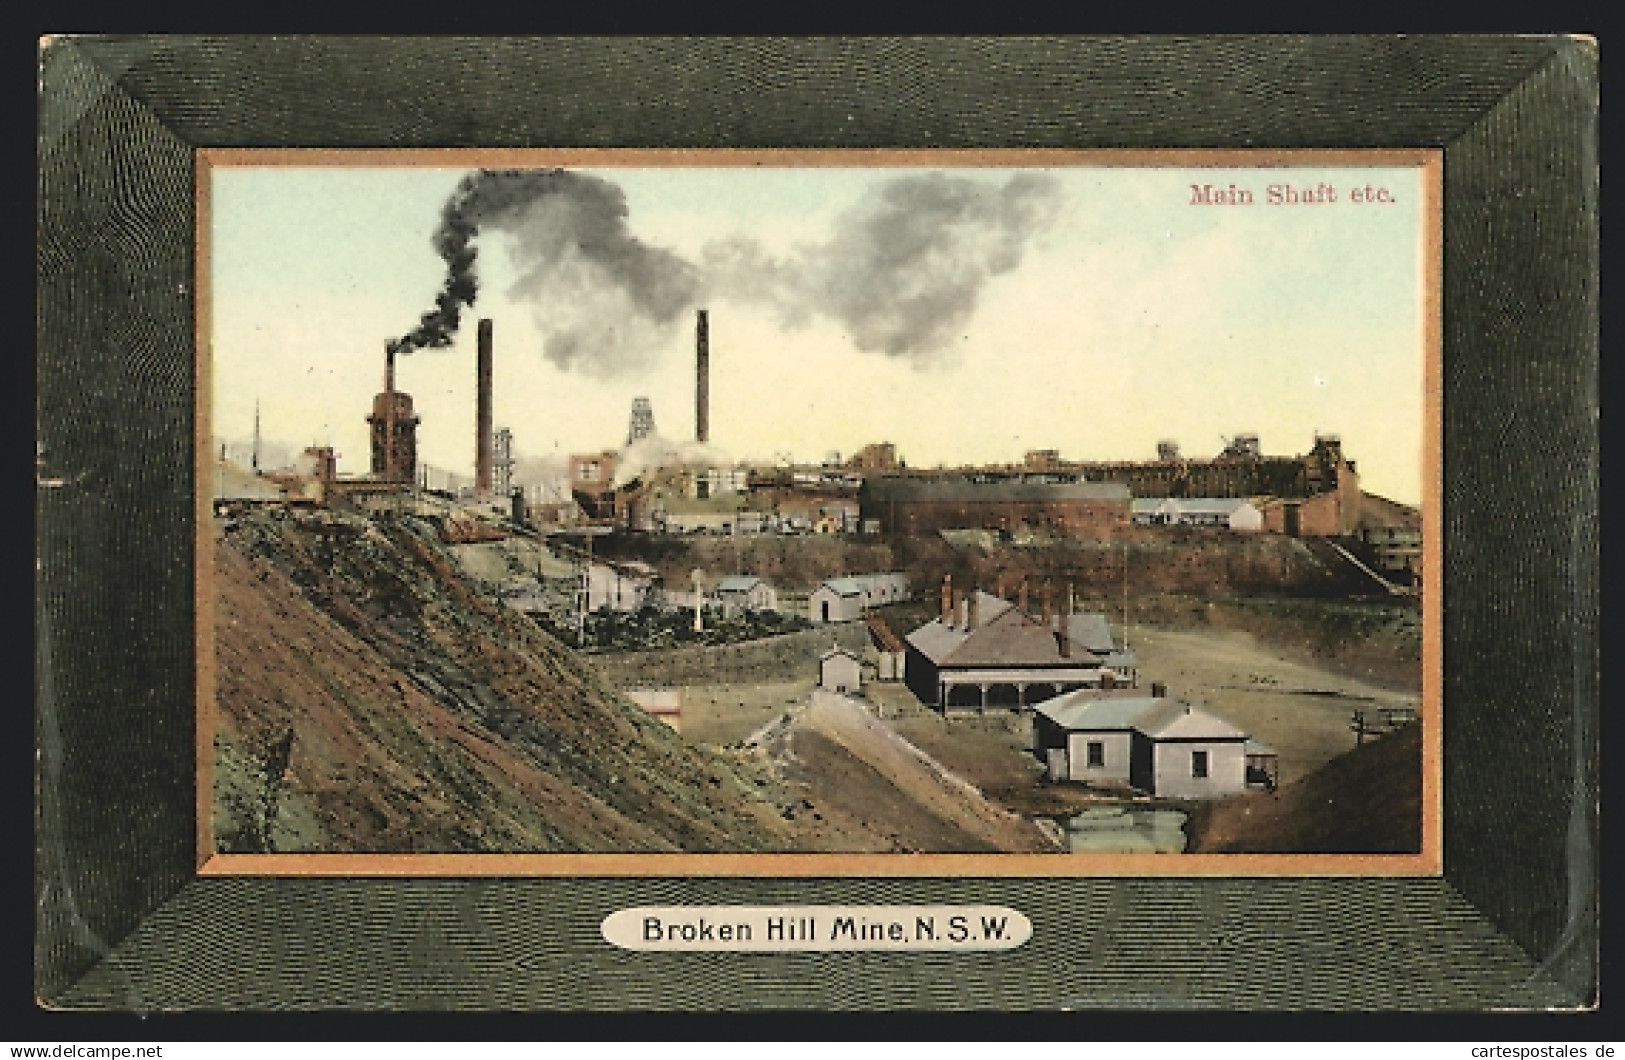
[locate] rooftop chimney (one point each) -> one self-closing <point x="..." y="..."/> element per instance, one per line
<point x="959" y="608"/>
<point x="972" y="609"/>
<point x="1021" y="597"/>
<point x="1048" y="607"/>
<point x="1063" y="636"/>
<point x="482" y="417"/>
<point x="702" y="378"/>
<point x="947" y="600"/>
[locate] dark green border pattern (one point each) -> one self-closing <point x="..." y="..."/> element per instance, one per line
<point x="123" y="923"/>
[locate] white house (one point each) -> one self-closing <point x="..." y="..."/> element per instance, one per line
<point x="1160" y="745"/>
<point x="840" y="671"/>
<point x="746" y="592"/>
<point x="1089" y="737"/>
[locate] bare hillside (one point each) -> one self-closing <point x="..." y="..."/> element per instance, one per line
<point x="414" y="714"/>
<point x="1368" y="801"/>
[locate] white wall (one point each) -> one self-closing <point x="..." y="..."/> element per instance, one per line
<point x="1115" y="768"/>
<point x="1226" y="769"/>
<point x="840" y="673"/>
<point x="841" y="608"/>
<point x="1247" y="518"/>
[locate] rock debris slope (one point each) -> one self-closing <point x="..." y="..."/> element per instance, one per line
<point x="414" y="713"/>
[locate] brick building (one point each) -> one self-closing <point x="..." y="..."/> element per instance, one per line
<point x="924" y="505"/>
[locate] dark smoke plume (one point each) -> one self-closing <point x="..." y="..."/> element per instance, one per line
<point x="602" y="287"/>
<point x="903" y="271"/>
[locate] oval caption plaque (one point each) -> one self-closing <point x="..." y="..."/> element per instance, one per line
<point x="816" y="927"/>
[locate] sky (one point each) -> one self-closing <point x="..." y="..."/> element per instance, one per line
<point x="966" y="315"/>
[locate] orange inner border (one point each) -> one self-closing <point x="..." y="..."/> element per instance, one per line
<point x="1429" y="862"/>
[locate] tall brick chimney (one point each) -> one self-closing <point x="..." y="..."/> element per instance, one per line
<point x="972" y="609"/>
<point x="947" y="615"/>
<point x="482" y="414"/>
<point x="389" y="414"/>
<point x="702" y="378"/>
<point x="959" y="608"/>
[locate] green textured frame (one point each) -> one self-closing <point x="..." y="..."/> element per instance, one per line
<point x="123" y="921"/>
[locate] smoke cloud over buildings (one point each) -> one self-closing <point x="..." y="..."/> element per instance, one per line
<point x="901" y="272"/>
<point x="600" y="292"/>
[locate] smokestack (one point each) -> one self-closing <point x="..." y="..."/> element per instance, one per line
<point x="482" y="417"/>
<point x="389" y="412"/>
<point x="702" y="378"/>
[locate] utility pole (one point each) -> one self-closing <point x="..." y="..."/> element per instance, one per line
<point x="699" y="598"/>
<point x="1125" y="596"/>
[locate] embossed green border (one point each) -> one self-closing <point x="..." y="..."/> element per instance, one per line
<point x="122" y="921"/>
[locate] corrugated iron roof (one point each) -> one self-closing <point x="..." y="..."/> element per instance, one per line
<point x="1175" y="719"/>
<point x="738" y="583"/>
<point x="844" y="586"/>
<point x="1206" y="505"/>
<point x="1088" y="711"/>
<point x="965" y="491"/>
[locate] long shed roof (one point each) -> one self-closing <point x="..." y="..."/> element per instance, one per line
<point x="965" y="491"/>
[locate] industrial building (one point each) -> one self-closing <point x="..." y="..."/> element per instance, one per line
<point x="919" y="504"/>
<point x="1317" y="494"/>
<point x="984" y="651"/>
<point x="1156" y="744"/>
<point x="393" y="429"/>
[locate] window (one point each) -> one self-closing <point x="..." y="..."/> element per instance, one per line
<point x="1198" y="763"/>
<point x="1097" y="754"/>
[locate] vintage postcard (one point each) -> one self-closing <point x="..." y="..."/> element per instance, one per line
<point x="819" y="513"/>
<point x="514" y="511"/>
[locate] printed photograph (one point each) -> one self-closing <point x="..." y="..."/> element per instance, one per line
<point x="828" y="507"/>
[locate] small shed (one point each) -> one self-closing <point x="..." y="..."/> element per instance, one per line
<point x="840" y="671"/>
<point x="838" y="600"/>
<point x="746" y="592"/>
